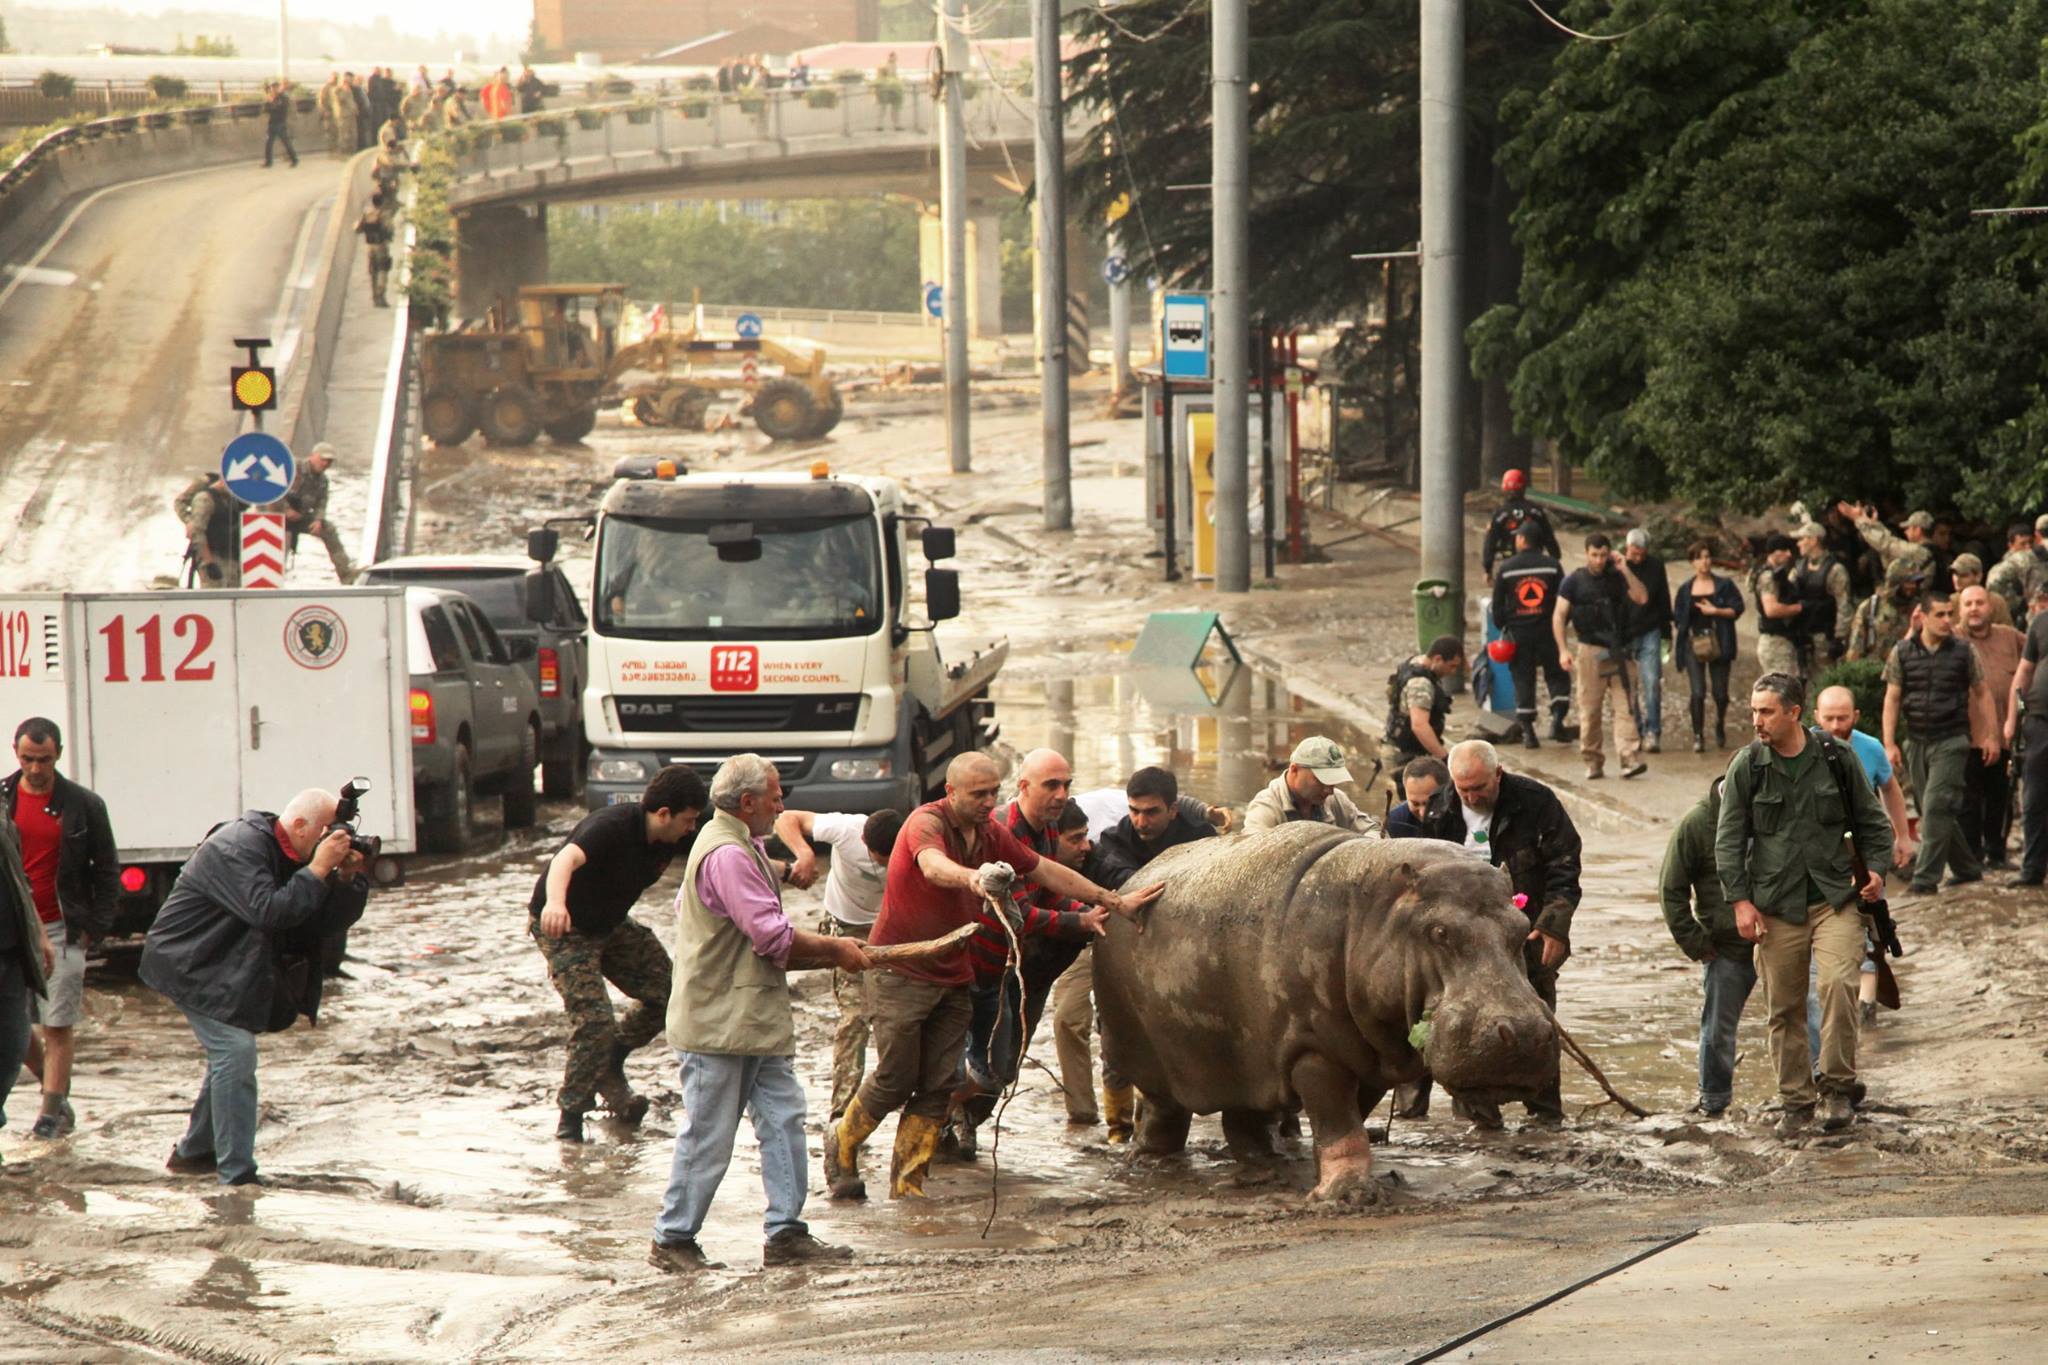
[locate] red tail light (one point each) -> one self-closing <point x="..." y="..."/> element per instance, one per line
<point x="422" y="716"/>
<point x="550" y="673"/>
<point x="133" y="879"/>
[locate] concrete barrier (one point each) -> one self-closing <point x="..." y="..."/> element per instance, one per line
<point x="301" y="417"/>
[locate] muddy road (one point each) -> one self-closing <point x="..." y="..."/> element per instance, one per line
<point x="419" y="1208"/>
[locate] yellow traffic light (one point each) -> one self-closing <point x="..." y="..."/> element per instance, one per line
<point x="254" y="387"/>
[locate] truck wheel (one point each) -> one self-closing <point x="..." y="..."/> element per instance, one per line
<point x="447" y="417"/>
<point x="783" y="410"/>
<point x="685" y="407"/>
<point x="520" y="803"/>
<point x="829" y="414"/>
<point x="450" y="817"/>
<point x="573" y="428"/>
<point x="562" y="771"/>
<point x="510" y="416"/>
<point x="646" y="411"/>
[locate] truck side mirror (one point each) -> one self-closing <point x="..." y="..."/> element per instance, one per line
<point x="942" y="592"/>
<point x="542" y="542"/>
<point x="541" y="606"/>
<point x="938" y="542"/>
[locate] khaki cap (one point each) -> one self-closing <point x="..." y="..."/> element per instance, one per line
<point x="1811" y="528"/>
<point x="1923" y="520"/>
<point x="2041" y="525"/>
<point x="1966" y="563"/>
<point x="1323" y="758"/>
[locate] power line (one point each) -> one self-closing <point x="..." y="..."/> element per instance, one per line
<point x="1584" y="37"/>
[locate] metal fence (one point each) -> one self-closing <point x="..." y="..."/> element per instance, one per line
<point x="24" y="105"/>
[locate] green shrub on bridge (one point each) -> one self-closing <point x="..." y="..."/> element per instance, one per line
<point x="752" y="102"/>
<point x="167" y="87"/>
<point x="822" y="97"/>
<point x="589" y="119"/>
<point x="551" y="125"/>
<point x="695" y="106"/>
<point x="55" y="85"/>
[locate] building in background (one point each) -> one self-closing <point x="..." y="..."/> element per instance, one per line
<point x="628" y="30"/>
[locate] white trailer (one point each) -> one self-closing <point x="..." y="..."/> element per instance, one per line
<point x="185" y="709"/>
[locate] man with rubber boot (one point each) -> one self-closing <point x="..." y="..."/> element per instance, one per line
<point x="1524" y="598"/>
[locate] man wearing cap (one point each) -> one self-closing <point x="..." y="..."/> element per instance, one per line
<point x="1307" y="790"/>
<point x="1823" y="584"/>
<point x="1884" y="617"/>
<point x="1649" y="626"/>
<point x="1966" y="571"/>
<point x="2023" y="561"/>
<point x="305" y="509"/>
<point x="1514" y="514"/>
<point x="1915" y="547"/>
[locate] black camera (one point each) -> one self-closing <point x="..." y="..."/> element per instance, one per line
<point x="345" y="810"/>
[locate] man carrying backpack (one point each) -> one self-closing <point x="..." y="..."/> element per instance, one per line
<point x="1800" y="843"/>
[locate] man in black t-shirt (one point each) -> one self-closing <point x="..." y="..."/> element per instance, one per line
<point x="1595" y="601"/>
<point x="580" y="915"/>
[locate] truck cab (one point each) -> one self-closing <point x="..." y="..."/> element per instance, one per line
<point x="772" y="613"/>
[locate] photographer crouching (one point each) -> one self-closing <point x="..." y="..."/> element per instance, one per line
<point x="237" y="946"/>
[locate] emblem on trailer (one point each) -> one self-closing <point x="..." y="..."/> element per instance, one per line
<point x="735" y="668"/>
<point x="315" y="637"/>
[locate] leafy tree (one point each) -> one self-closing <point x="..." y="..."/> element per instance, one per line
<point x="1749" y="267"/>
<point x="816" y="254"/>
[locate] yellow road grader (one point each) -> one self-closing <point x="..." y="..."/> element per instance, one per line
<point x="559" y="361"/>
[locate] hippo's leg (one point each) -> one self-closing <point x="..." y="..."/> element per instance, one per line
<point x="1250" y="1134"/>
<point x="1343" y="1155"/>
<point x="1162" y="1126"/>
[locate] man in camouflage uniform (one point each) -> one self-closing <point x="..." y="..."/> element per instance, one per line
<point x="1884" y="618"/>
<point x="2025" y="565"/>
<point x="305" y="509"/>
<point x="1913" y="548"/>
<point x="330" y="102"/>
<point x="1824" y="589"/>
<point x="1781" y="627"/>
<point x="581" y="919"/>
<point x="213" y="532"/>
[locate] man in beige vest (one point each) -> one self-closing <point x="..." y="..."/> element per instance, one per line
<point x="729" y="1022"/>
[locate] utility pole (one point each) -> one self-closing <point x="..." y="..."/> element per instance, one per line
<point x="953" y="216"/>
<point x="1051" y="190"/>
<point x="1230" y="227"/>
<point x="1443" y="250"/>
<point x="1120" y="319"/>
<point x="284" y="44"/>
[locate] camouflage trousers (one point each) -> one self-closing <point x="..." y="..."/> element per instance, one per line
<point x="631" y="958"/>
<point x="850" y="1038"/>
<point x="1779" y="654"/>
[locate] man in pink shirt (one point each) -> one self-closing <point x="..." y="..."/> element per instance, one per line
<point x="729" y="1021"/>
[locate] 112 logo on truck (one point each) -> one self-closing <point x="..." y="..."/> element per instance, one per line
<point x="735" y="668"/>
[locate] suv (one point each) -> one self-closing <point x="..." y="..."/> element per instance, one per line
<point x="554" y="652"/>
<point x="475" y="718"/>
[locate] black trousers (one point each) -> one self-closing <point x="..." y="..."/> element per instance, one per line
<point x="270" y="140"/>
<point x="1987" y="792"/>
<point x="1536" y="650"/>
<point x="2034" y="806"/>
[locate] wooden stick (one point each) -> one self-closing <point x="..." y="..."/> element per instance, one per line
<point x="893" y="953"/>
<point x="1578" y="1054"/>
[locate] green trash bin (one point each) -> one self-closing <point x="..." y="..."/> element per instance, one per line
<point x="1436" y="612"/>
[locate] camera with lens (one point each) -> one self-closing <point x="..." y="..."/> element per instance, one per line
<point x="345" y="809"/>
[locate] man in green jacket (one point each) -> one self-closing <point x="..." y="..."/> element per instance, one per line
<point x="1703" y="926"/>
<point x="730" y="1024"/>
<point x="1779" y="844"/>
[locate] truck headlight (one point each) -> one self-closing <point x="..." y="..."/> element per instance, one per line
<point x="859" y="769"/>
<point x="617" y="769"/>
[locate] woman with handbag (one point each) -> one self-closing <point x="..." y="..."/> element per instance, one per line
<point x="1703" y="613"/>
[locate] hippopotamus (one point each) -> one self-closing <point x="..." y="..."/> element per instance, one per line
<point x="1286" y="970"/>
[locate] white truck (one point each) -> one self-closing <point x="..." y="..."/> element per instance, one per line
<point x="772" y="612"/>
<point x="185" y="709"/>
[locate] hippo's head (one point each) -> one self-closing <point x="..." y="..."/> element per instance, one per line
<point x="1450" y="950"/>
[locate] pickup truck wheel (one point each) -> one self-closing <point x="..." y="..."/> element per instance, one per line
<point x="521" y="808"/>
<point x="562" y="768"/>
<point x="510" y="416"/>
<point x="451" y="817"/>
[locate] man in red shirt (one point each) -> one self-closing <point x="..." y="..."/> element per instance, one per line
<point x="919" y="1011"/>
<point x="67" y="850"/>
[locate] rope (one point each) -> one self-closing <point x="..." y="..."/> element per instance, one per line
<point x="995" y="1143"/>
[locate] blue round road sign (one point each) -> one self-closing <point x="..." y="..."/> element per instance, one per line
<point x="1115" y="270"/>
<point x="935" y="300"/>
<point x="258" y="467"/>
<point x="747" y="325"/>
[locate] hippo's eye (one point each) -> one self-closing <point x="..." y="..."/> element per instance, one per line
<point x="1439" y="933"/>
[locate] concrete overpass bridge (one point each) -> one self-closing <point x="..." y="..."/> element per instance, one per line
<point x="777" y="145"/>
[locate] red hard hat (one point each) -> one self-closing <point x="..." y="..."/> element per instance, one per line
<point x="1501" y="651"/>
<point x="1514" y="481"/>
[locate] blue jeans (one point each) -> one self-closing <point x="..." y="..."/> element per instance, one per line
<point x="1728" y="984"/>
<point x="224" y="1115"/>
<point x="992" y="1029"/>
<point x="716" y="1087"/>
<point x="14" y="996"/>
<point x="1647" y="650"/>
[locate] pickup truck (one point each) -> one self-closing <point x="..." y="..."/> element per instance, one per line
<point x="474" y="717"/>
<point x="552" y="650"/>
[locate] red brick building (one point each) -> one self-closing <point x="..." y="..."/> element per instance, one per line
<point x="622" y="30"/>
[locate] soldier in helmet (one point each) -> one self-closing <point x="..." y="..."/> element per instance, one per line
<point x="1823" y="583"/>
<point x="213" y="533"/>
<point x="1516" y="512"/>
<point x="1885" y="617"/>
<point x="305" y="509"/>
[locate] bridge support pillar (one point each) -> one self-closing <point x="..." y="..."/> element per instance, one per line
<point x="497" y="250"/>
<point x="984" y="265"/>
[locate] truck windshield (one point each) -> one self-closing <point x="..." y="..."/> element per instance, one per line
<point x="816" y="578"/>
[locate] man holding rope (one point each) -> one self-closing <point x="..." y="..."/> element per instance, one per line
<point x="951" y="855"/>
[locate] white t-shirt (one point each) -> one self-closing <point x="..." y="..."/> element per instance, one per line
<point x="853" y="888"/>
<point x="1476" y="824"/>
<point x="1105" y="807"/>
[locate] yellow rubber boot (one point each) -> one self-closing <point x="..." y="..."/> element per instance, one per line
<point x="842" y="1153"/>
<point x="917" y="1140"/>
<point x="1119" y="1110"/>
